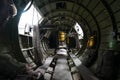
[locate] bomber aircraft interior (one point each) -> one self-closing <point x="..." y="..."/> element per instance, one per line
<point x="59" y="39"/>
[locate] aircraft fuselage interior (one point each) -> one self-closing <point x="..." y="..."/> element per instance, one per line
<point x="59" y="39"/>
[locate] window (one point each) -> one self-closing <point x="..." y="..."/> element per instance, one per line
<point x="28" y="20"/>
<point x="79" y="30"/>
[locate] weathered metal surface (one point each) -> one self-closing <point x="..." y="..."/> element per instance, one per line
<point x="47" y="63"/>
<point x="62" y="70"/>
<point x="85" y="72"/>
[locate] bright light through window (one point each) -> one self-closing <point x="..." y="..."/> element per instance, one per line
<point x="28" y="19"/>
<point x="78" y="29"/>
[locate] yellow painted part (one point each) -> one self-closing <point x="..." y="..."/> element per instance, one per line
<point x="62" y="36"/>
<point x="62" y="33"/>
<point x="90" y="42"/>
<point x="62" y="39"/>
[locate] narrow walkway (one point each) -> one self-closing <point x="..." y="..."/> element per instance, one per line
<point x="65" y="66"/>
<point x="62" y="71"/>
